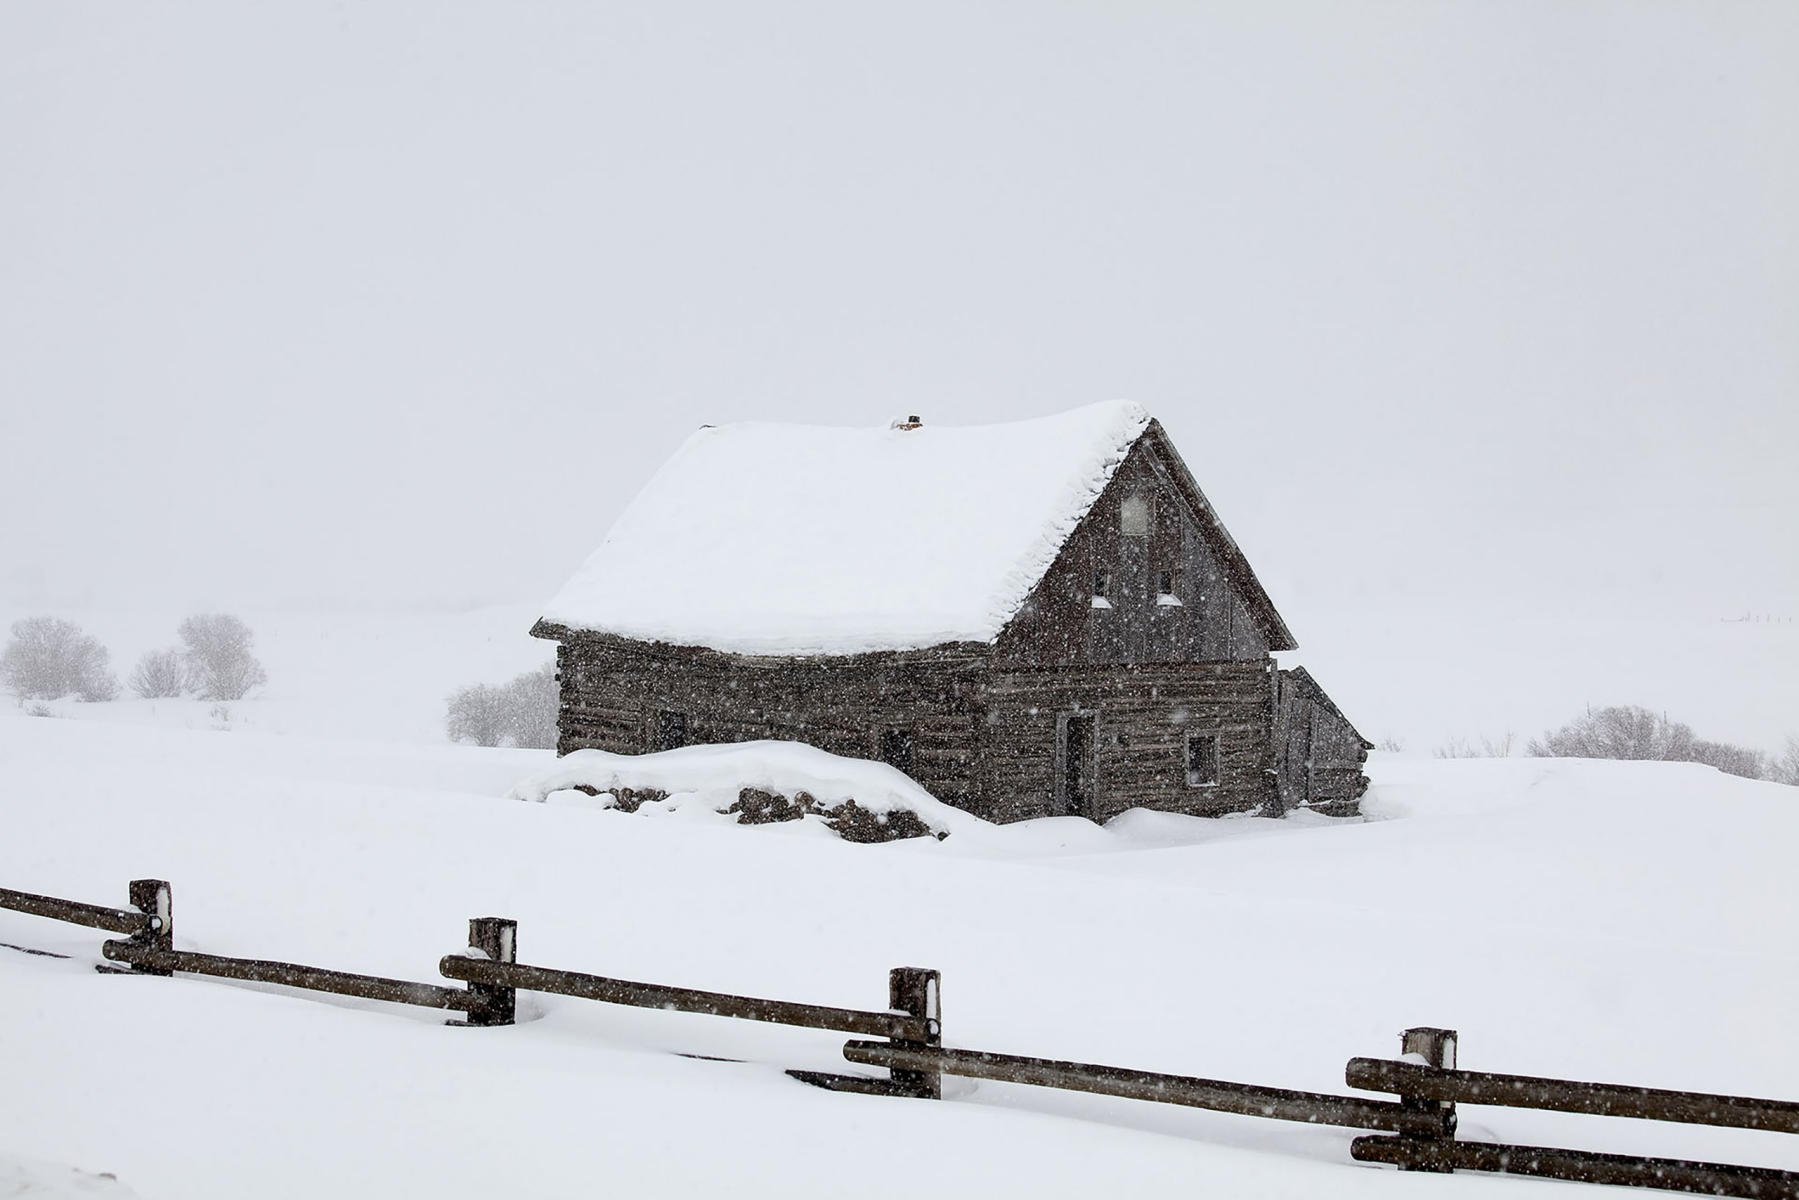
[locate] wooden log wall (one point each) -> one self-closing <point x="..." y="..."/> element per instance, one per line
<point x="983" y="739"/>
<point x="613" y="691"/>
<point x="1143" y="716"/>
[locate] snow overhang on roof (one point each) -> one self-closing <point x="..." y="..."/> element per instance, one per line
<point x="766" y="539"/>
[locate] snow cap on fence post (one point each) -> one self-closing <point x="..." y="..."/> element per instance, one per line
<point x="155" y="898"/>
<point x="915" y="992"/>
<point x="1437" y="1047"/>
<point x="497" y="939"/>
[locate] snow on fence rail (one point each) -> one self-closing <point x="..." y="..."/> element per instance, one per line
<point x="1422" y="1121"/>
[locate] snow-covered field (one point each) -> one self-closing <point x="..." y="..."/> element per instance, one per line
<point x="1614" y="921"/>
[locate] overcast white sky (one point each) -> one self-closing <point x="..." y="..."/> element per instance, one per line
<point x="1482" y="307"/>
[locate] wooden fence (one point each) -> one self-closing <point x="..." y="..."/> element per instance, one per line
<point x="1421" y="1123"/>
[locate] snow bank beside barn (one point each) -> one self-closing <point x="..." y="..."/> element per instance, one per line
<point x="753" y="783"/>
<point x="820" y="540"/>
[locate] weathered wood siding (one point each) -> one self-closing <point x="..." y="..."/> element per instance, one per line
<point x="1204" y="616"/>
<point x="1144" y="715"/>
<point x="1321" y="754"/>
<point x="614" y="690"/>
<point x="982" y="740"/>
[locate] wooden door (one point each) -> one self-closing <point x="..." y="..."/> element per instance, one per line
<point x="1074" y="765"/>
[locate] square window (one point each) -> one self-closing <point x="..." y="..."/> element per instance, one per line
<point x="1202" y="760"/>
<point x="1133" y="516"/>
<point x="896" y="749"/>
<point x="671" y="730"/>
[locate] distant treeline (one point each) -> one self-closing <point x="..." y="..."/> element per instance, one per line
<point x="1628" y="731"/>
<point x="48" y="658"/>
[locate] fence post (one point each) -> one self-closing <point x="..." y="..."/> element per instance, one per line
<point x="914" y="991"/>
<point x="496" y="937"/>
<point x="1437" y="1048"/>
<point x="155" y="897"/>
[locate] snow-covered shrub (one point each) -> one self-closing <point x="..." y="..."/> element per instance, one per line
<point x="1631" y="732"/>
<point x="1486" y="747"/>
<point x="159" y="674"/>
<point x="49" y="657"/>
<point x="477" y="714"/>
<point x="1732" y="760"/>
<point x="1785" y="768"/>
<point x="216" y="649"/>
<point x="531" y="702"/>
<point x="521" y="713"/>
<point x="1621" y="731"/>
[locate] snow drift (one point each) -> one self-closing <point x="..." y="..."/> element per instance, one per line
<point x="754" y="783"/>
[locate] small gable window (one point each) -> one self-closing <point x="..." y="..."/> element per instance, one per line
<point x="1133" y="516"/>
<point x="1202" y="760"/>
<point x="1102" y="583"/>
<point x="671" y="730"/>
<point x="1165" y="594"/>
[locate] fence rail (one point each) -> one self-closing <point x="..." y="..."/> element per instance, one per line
<point x="1424" y="1117"/>
<point x="655" y="995"/>
<point x="1246" y="1099"/>
<point x="1581" y="1166"/>
<point x="317" y="979"/>
<point x="1563" y="1095"/>
<point x="94" y="916"/>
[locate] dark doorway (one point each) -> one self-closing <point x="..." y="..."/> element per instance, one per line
<point x="1074" y="765"/>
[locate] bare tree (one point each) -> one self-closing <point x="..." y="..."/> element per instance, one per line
<point x="1621" y="731"/>
<point x="1785" y="768"/>
<point x="477" y="714"/>
<point x="159" y="674"/>
<point x="531" y="702"/>
<point x="521" y="713"/>
<point x="1630" y="732"/>
<point x="49" y="657"/>
<point x="1732" y="760"/>
<point x="217" y="653"/>
<point x="1486" y="747"/>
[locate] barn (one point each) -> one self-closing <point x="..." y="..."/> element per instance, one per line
<point x="1035" y="618"/>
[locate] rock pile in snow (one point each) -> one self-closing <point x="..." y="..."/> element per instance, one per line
<point x="753" y="783"/>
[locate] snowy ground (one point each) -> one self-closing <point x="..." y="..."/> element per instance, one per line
<point x="1629" y="922"/>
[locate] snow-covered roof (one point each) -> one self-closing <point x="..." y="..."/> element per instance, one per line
<point x="770" y="539"/>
